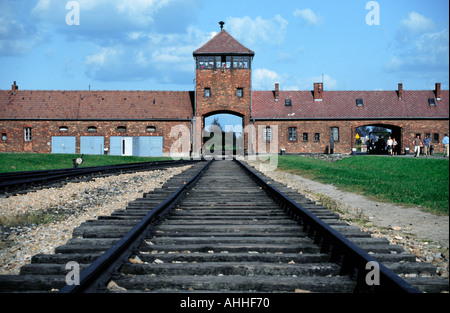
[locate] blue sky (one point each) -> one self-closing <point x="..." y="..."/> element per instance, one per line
<point x="148" y="44"/>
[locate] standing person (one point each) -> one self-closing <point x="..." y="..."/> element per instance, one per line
<point x="394" y="147"/>
<point x="417" y="143"/>
<point x="390" y="144"/>
<point x="445" y="144"/>
<point x="426" y="146"/>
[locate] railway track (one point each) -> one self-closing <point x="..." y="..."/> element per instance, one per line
<point x="221" y="226"/>
<point x="14" y="183"/>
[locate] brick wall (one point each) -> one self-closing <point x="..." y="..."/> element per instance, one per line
<point x="405" y="129"/>
<point x="42" y="132"/>
<point x="223" y="85"/>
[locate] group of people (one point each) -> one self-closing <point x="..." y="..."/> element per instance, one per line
<point x="426" y="146"/>
<point x="392" y="146"/>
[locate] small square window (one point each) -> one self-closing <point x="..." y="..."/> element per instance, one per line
<point x="268" y="134"/>
<point x="288" y="102"/>
<point x="305" y="137"/>
<point x="360" y="102"/>
<point x="436" y="137"/>
<point x="4" y="137"/>
<point x="240" y="92"/>
<point x="207" y="93"/>
<point x="432" y="102"/>
<point x="292" y="133"/>
<point x="28" y="134"/>
<point x="317" y="136"/>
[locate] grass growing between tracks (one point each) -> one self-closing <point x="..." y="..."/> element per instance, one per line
<point x="17" y="162"/>
<point x="407" y="181"/>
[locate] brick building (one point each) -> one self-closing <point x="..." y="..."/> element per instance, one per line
<point x="151" y="123"/>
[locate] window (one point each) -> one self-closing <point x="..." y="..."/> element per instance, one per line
<point x="288" y="102"/>
<point x="218" y="62"/>
<point x="292" y="133"/>
<point x="206" y="62"/>
<point x="360" y="102"/>
<point x="240" y="92"/>
<point x="317" y="136"/>
<point x="268" y="134"/>
<point x="431" y="102"/>
<point x="151" y="129"/>
<point x="122" y="129"/>
<point x="436" y="138"/>
<point x="335" y="133"/>
<point x="305" y="137"/>
<point x="63" y="128"/>
<point x="207" y="93"/>
<point x="4" y="137"/>
<point x="92" y="129"/>
<point x="28" y="134"/>
<point x="238" y="62"/>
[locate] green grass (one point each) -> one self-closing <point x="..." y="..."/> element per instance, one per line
<point x="17" y="162"/>
<point x="407" y="181"/>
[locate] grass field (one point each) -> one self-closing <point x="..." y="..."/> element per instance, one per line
<point x="409" y="181"/>
<point x="17" y="162"/>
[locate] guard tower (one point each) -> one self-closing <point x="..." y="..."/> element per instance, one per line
<point x="223" y="82"/>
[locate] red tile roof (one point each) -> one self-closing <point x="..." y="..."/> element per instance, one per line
<point x="163" y="105"/>
<point x="223" y="43"/>
<point x="342" y="105"/>
<point x="98" y="105"/>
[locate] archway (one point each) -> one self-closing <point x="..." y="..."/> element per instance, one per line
<point x="373" y="138"/>
<point x="223" y="133"/>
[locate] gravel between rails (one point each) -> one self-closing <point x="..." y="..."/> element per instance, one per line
<point x="72" y="205"/>
<point x="423" y="234"/>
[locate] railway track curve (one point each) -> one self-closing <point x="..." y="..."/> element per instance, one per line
<point x="13" y="183"/>
<point x="222" y="226"/>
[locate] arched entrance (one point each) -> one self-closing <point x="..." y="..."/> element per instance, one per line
<point x="374" y="137"/>
<point x="223" y="133"/>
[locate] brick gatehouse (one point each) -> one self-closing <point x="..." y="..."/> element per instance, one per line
<point x="151" y="123"/>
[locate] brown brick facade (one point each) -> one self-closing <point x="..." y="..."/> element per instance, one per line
<point x="224" y="71"/>
<point x="43" y="131"/>
<point x="405" y="130"/>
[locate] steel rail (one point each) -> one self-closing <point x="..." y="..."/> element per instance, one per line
<point x="96" y="276"/>
<point x="352" y="259"/>
<point x="9" y="181"/>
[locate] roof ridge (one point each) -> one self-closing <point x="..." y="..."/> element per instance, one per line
<point x="223" y="42"/>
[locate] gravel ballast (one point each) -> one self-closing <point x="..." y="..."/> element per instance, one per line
<point x="65" y="209"/>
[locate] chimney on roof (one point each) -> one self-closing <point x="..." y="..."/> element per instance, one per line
<point x="14" y="87"/>
<point x="318" y="91"/>
<point x="277" y="92"/>
<point x="400" y="91"/>
<point x="438" y="91"/>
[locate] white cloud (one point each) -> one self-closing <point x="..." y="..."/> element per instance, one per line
<point x="308" y="16"/>
<point x="420" y="48"/>
<point x="265" y="79"/>
<point x="417" y="23"/>
<point x="258" y="30"/>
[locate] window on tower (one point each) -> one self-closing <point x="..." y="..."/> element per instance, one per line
<point x="222" y="62"/>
